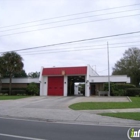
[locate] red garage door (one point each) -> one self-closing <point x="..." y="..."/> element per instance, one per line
<point x="55" y="86"/>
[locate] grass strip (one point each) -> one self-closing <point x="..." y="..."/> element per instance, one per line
<point x="106" y="105"/>
<point x="124" y="115"/>
<point x="8" y="97"/>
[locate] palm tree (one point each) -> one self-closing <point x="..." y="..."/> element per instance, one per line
<point x="12" y="64"/>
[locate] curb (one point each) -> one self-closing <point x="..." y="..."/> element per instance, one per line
<point x="96" y="123"/>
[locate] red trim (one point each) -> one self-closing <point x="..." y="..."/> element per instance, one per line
<point x="65" y="71"/>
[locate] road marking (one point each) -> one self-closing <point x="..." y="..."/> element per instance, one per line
<point x="21" y="137"/>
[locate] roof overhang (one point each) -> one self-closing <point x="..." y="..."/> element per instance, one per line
<point x="57" y="71"/>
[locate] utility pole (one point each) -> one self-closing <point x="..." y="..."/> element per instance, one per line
<point x="108" y="69"/>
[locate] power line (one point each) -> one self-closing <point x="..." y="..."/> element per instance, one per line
<point x="112" y="40"/>
<point x="76" y="41"/>
<point x="71" y="15"/>
<point x="61" y="48"/>
<point x="67" y="20"/>
<point x="87" y="49"/>
<point x="81" y="47"/>
<point x="67" y="25"/>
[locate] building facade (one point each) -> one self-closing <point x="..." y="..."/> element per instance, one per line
<point x="60" y="81"/>
<point x="19" y="82"/>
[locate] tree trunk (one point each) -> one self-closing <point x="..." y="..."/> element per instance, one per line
<point x="10" y="84"/>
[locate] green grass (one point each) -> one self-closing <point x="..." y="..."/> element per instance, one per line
<point x="125" y="115"/>
<point x="7" y="97"/>
<point x="106" y="105"/>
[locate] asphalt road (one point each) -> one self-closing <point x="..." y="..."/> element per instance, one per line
<point x="38" y="130"/>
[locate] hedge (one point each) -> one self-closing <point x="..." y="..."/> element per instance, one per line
<point x="133" y="92"/>
<point x="125" y="86"/>
<point x="32" y="89"/>
<point x="14" y="92"/>
<point x="117" y="89"/>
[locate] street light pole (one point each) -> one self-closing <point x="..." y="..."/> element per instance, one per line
<point x="108" y="69"/>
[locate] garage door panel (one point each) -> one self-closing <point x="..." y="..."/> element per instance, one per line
<point x="55" y="86"/>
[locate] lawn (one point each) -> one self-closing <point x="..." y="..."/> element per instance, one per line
<point x="106" y="105"/>
<point x="125" y="115"/>
<point x="7" y="97"/>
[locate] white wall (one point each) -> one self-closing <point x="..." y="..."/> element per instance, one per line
<point x="44" y="86"/>
<point x="41" y="80"/>
<point x="115" y="78"/>
<point x="40" y="76"/>
<point x="91" y="71"/>
<point x="76" y="89"/>
<point x="65" y="86"/>
<point x="21" y="80"/>
<point x="87" y="92"/>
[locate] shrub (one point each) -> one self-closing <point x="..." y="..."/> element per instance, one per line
<point x="133" y="92"/>
<point x="117" y="89"/>
<point x="15" y="91"/>
<point x="5" y="91"/>
<point x="32" y="89"/>
<point x="118" y="92"/>
<point x="114" y="91"/>
<point x="18" y="92"/>
<point x="125" y="86"/>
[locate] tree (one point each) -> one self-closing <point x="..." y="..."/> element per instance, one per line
<point x="21" y="74"/>
<point x="34" y="74"/>
<point x="12" y="63"/>
<point x="1" y="71"/>
<point x="129" y="65"/>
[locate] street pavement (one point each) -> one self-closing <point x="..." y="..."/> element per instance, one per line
<point x="55" y="109"/>
<point x="11" y="129"/>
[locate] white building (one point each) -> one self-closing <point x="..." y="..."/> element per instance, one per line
<point x="59" y="81"/>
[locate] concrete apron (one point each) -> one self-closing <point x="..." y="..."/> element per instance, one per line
<point x="55" y="109"/>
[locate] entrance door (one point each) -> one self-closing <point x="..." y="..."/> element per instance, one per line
<point x="55" y="86"/>
<point x="92" y="89"/>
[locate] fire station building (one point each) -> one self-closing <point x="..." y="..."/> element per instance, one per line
<point x="60" y="81"/>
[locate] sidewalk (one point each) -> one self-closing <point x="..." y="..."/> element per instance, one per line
<point x="112" y="110"/>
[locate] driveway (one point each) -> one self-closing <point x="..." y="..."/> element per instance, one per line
<point x="55" y="109"/>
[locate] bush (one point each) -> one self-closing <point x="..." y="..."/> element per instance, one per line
<point x="125" y="86"/>
<point x="33" y="89"/>
<point x="15" y="91"/>
<point x="133" y="92"/>
<point x="4" y="91"/>
<point x="117" y="89"/>
<point x="114" y="90"/>
<point x="18" y="92"/>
